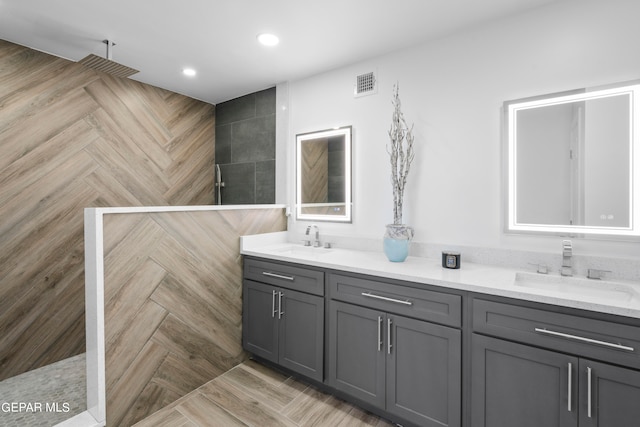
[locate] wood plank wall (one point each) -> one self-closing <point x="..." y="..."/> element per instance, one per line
<point x="71" y="138"/>
<point x="173" y="303"/>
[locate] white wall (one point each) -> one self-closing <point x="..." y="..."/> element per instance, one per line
<point x="453" y="89"/>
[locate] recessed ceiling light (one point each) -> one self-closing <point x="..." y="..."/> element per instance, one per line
<point x="189" y="72"/>
<point x="268" y="39"/>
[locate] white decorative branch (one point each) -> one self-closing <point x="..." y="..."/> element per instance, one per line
<point x="400" y="153"/>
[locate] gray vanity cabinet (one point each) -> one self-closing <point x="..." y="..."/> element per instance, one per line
<point x="356" y="356"/>
<point x="558" y="385"/>
<point x="259" y="324"/>
<point x="524" y="386"/>
<point x="613" y="397"/>
<point x="283" y="325"/>
<point x="405" y="366"/>
<point x="518" y="385"/>
<point x="423" y="372"/>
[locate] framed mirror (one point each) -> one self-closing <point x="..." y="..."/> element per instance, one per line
<point x="323" y="175"/>
<point x="571" y="162"/>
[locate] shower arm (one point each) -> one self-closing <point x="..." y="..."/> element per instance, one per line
<point x="109" y="44"/>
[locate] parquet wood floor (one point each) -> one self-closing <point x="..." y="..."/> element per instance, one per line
<point x="251" y="394"/>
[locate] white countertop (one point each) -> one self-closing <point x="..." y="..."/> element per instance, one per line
<point x="470" y="277"/>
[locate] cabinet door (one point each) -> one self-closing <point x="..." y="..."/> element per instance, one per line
<point x="518" y="385"/>
<point x="423" y="372"/>
<point x="357" y="352"/>
<point x="259" y="320"/>
<point x="301" y="336"/>
<point x="609" y="395"/>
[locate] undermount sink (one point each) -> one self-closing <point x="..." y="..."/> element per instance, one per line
<point x="595" y="290"/>
<point x="297" y="250"/>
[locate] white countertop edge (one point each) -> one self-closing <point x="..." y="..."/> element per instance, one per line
<point x="194" y="208"/>
<point x="247" y="243"/>
<point x="477" y="278"/>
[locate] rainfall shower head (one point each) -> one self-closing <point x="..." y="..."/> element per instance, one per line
<point x="106" y="65"/>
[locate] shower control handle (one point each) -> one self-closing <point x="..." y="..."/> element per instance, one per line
<point x="219" y="184"/>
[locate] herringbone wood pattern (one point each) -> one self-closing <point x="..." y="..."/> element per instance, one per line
<point x="315" y="171"/>
<point x="173" y="303"/>
<point x="253" y="395"/>
<point x="72" y="138"/>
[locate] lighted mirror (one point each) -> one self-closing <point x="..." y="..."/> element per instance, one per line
<point x="570" y="162"/>
<point x="323" y="175"/>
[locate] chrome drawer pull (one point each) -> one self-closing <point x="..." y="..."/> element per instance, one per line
<point x="569" y="397"/>
<point x="280" y="312"/>
<point x="397" y="301"/>
<point x="588" y="392"/>
<point x="273" y="304"/>
<point x="389" y="345"/>
<point x="278" y="276"/>
<point x="379" y="333"/>
<point x="583" y="339"/>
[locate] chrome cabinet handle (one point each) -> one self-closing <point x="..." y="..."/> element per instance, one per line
<point x="397" y="301"/>
<point x="583" y="339"/>
<point x="379" y="333"/>
<point x="273" y="303"/>
<point x="589" y="392"/>
<point x="280" y="312"/>
<point x="569" y="373"/>
<point x="389" y="322"/>
<point x="278" y="276"/>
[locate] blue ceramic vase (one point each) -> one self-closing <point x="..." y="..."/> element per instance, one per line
<point x="396" y="242"/>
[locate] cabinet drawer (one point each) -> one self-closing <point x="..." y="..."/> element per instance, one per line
<point x="422" y="304"/>
<point x="285" y="275"/>
<point x="609" y="341"/>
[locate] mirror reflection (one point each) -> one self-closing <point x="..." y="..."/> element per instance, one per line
<point x="571" y="161"/>
<point x="323" y="175"/>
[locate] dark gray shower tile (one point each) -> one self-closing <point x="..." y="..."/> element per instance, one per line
<point x="223" y="144"/>
<point x="245" y="134"/>
<point x="266" y="102"/>
<point x="266" y="182"/>
<point x="239" y="184"/>
<point x="235" y="110"/>
<point x="254" y="140"/>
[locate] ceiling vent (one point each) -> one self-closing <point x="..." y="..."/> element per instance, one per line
<point x="366" y="84"/>
<point x="107" y="65"/>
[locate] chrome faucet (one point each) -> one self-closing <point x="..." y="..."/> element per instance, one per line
<point x="567" y="252"/>
<point x="316" y="242"/>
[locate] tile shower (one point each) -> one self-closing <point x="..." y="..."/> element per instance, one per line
<point x="245" y="148"/>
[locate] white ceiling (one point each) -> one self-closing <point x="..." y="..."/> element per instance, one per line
<point x="218" y="37"/>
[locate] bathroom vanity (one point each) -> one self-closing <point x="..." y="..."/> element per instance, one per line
<point x="543" y="366"/>
<point x="425" y="346"/>
<point x="283" y="315"/>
